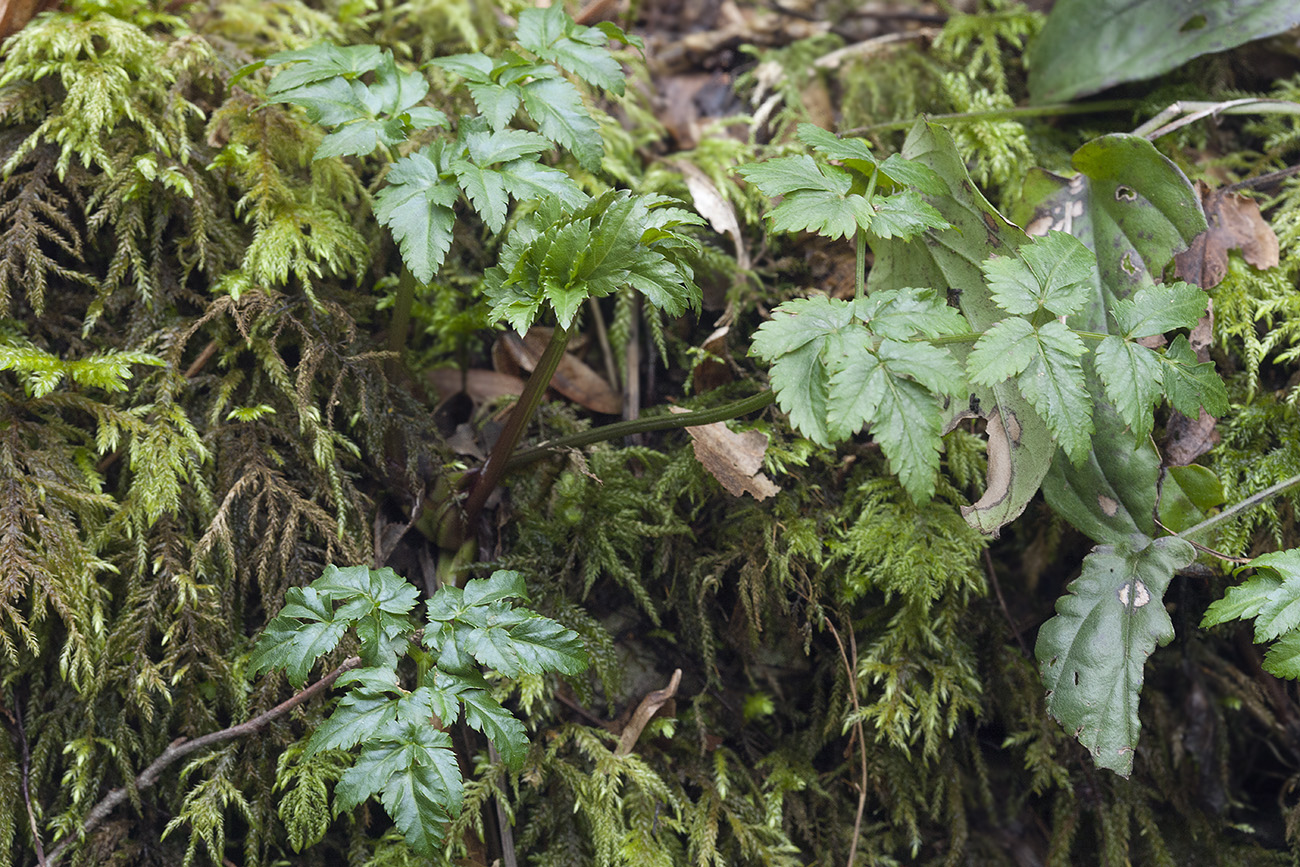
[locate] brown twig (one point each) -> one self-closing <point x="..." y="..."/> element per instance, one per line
<point x="1264" y="180"/>
<point x="850" y="667"/>
<point x="15" y="718"/>
<point x="644" y="711"/>
<point x="181" y="747"/>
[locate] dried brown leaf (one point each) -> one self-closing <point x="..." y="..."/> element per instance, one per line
<point x="735" y="460"/>
<point x="573" y="379"/>
<point x="1234" y="224"/>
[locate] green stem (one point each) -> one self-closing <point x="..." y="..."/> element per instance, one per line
<point x="1053" y="110"/>
<point x="1245" y="505"/>
<point x="401" y="321"/>
<point x="860" y="276"/>
<point x="644" y="425"/>
<point x="520" y="416"/>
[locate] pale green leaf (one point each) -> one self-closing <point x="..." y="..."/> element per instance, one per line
<point x="1055" y="273"/>
<point x="1002" y="352"/>
<point x="904" y="313"/>
<point x="1243" y="601"/>
<point x="416" y="206"/>
<point x="556" y="107"/>
<point x="909" y="428"/>
<point x="1160" y="308"/>
<point x="1131" y="374"/>
<point x="786" y="175"/>
<point x="1191" y="384"/>
<point x="552" y="35"/>
<point x="902" y="215"/>
<point x="1053" y="384"/>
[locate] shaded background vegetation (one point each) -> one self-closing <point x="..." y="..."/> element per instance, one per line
<point x="196" y="413"/>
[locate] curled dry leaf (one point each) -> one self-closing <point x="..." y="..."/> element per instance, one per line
<point x="483" y="386"/>
<point x="715" y="208"/>
<point x="573" y="379"/>
<point x="733" y="459"/>
<point x="1234" y="224"/>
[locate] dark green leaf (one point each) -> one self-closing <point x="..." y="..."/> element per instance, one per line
<point x="1191" y="384"/>
<point x="1283" y="658"/>
<point x="1091" y="654"/>
<point x="485" y="714"/>
<point x="1002" y="352"/>
<point x="499" y="585"/>
<point x="1053" y="384"/>
<point x="321" y="62"/>
<point x="356" y="718"/>
<point x="1090" y="45"/>
<point x="302" y="633"/>
<point x="552" y="35"/>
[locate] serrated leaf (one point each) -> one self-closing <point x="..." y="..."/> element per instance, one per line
<point x="910" y="173"/>
<point x="556" y="107"/>
<point x="1002" y="352"/>
<point x="1091" y="654"/>
<point x="931" y="366"/>
<point x="1055" y="272"/>
<point x="330" y="102"/>
<point x="785" y="175"/>
<point x="1283" y="658"/>
<point x="393" y="90"/>
<point x="321" y="62"/>
<point x="857" y="386"/>
<point x="360" y="138"/>
<point x="497" y="102"/>
<point x="1159" y="308"/>
<point x="853" y="152"/>
<point x="416" y="206"/>
<point x="425" y="793"/>
<point x="486" y="191"/>
<point x="828" y="214"/>
<point x="1244" y="601"/>
<point x="528" y="179"/>
<point x="1131" y="375"/>
<point x="1280" y="613"/>
<point x="485" y="714"/>
<point x="302" y="633"/>
<point x="552" y="35"/>
<point x="1053" y="384"/>
<point x="471" y="67"/>
<point x="501" y="584"/>
<point x="801" y="384"/>
<point x="356" y="718"/>
<point x="504" y="145"/>
<point x="904" y="313"/>
<point x="902" y="215"/>
<point x="1192" y="384"/>
<point x="909" y="426"/>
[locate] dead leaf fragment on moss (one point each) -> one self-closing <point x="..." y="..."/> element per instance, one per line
<point x="734" y="459"/>
<point x="1235" y="224"/>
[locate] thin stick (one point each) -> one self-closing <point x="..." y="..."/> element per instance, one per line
<point x="862" y="740"/>
<point x="643" y="425"/>
<point x="25" y="759"/>
<point x="1245" y="505"/>
<point x="602" y="337"/>
<point x="997" y="588"/>
<point x="1059" y="109"/>
<point x="180" y="748"/>
<point x="1264" y="180"/>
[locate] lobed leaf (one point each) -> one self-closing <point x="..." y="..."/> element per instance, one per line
<point x="1132" y="376"/>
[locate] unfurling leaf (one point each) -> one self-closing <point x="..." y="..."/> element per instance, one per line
<point x="1091" y="654"/>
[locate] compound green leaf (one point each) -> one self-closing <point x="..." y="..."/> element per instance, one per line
<point x="356" y="718"/>
<point x="304" y="631"/>
<point x="485" y="714"/>
<point x="330" y="102"/>
<point x="1280" y="613"/>
<point x="416" y="205"/>
<point x="318" y="63"/>
<point x="497" y="102"/>
<point x="856" y="387"/>
<point x="1190" y="383"/>
<point x="477" y="68"/>
<point x="556" y="107"/>
<point x="785" y="175"/>
<point x="1054" y="385"/>
<point x="852" y="152"/>
<point x="501" y="584"/>
<point x="909" y="428"/>
<point x="1159" y="309"/>
<point x="1002" y="352"/>
<point x="910" y="173"/>
<point x="1243" y="601"/>
<point x="486" y="191"/>
<point x="902" y="215"/>
<point x="932" y="366"/>
<point x="503" y="146"/>
<point x="1131" y="374"/>
<point x="360" y="138"/>
<point x="1055" y="273"/>
<point x="528" y="179"/>
<point x="1283" y="658"/>
<point x="1090" y="45"/>
<point x="900" y="314"/>
<point x="1091" y="654"/>
<point x="948" y="260"/>
<point x="552" y="35"/>
<point x="828" y="214"/>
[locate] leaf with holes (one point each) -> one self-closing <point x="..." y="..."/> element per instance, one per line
<point x="1091" y="654"/>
